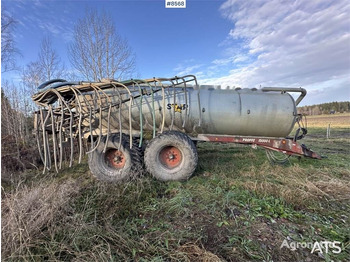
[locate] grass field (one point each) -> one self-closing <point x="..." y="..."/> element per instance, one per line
<point x="336" y="120"/>
<point x="236" y="207"/>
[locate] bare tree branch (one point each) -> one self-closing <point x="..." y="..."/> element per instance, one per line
<point x="8" y="49"/>
<point x="98" y="51"/>
<point x="49" y="62"/>
<point x="32" y="76"/>
<point x="47" y="67"/>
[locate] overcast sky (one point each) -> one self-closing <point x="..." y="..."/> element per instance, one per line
<point x="246" y="43"/>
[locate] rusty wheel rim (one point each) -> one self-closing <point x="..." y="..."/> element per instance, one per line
<point x="115" y="158"/>
<point x="170" y="157"/>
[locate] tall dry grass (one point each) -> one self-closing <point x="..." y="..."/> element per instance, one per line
<point x="29" y="210"/>
<point x="297" y="185"/>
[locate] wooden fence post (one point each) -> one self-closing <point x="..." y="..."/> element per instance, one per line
<point x="329" y="131"/>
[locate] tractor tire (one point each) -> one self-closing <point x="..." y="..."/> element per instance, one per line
<point x="171" y="156"/>
<point x="116" y="165"/>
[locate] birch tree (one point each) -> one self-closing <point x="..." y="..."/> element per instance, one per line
<point x="48" y="60"/>
<point x="48" y="66"/>
<point x="98" y="51"/>
<point x="8" y="49"/>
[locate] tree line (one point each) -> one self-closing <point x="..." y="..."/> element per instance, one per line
<point x="96" y="51"/>
<point x="325" y="108"/>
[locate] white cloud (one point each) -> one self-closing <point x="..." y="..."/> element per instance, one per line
<point x="231" y="60"/>
<point x="328" y="91"/>
<point x="43" y="15"/>
<point x="59" y="30"/>
<point x="185" y="69"/>
<point x="288" y="43"/>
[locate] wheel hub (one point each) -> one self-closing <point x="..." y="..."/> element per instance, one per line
<point x="170" y="157"/>
<point x="115" y="158"/>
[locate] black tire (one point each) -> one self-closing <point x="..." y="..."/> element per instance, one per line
<point x="116" y="165"/>
<point x="171" y="156"/>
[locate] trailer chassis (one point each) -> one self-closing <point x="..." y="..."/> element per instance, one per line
<point x="286" y="146"/>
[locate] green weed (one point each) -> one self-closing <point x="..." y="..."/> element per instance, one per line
<point x="236" y="207"/>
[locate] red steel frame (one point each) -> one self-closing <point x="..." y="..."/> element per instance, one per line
<point x="286" y="146"/>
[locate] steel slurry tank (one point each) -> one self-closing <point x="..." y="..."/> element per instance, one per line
<point x="124" y="123"/>
<point x="211" y="110"/>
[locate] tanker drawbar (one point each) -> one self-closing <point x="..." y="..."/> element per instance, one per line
<point x="126" y="125"/>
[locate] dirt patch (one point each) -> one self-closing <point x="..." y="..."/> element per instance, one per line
<point x="215" y="236"/>
<point x="270" y="238"/>
<point x="267" y="233"/>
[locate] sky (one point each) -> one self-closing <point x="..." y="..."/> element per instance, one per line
<point x="237" y="43"/>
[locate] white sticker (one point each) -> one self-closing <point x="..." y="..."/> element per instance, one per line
<point x="175" y="4"/>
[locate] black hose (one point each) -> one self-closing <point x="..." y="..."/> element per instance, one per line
<point x="57" y="85"/>
<point x="303" y="134"/>
<point x="49" y="82"/>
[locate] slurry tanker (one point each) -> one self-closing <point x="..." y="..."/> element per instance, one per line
<point x="127" y="126"/>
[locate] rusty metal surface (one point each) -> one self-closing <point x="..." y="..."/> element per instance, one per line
<point x="286" y="146"/>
